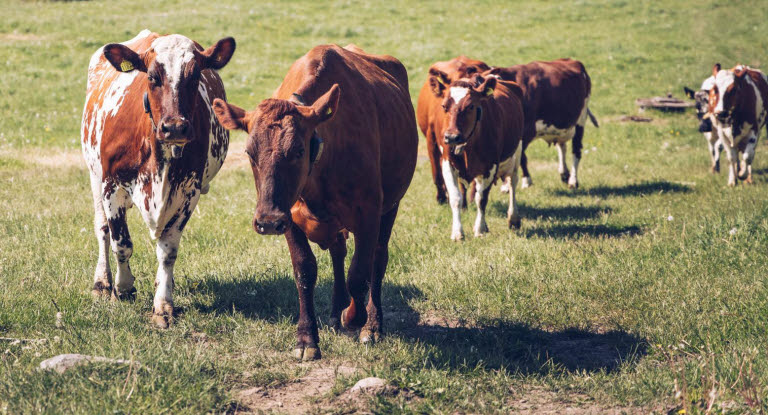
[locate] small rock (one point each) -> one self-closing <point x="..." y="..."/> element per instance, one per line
<point x="370" y="385"/>
<point x="59" y="320"/>
<point x="64" y="362"/>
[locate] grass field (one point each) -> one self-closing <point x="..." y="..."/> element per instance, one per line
<point x="644" y="290"/>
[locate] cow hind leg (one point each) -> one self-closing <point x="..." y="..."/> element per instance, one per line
<point x="748" y="157"/>
<point x="562" y="167"/>
<point x="305" y="274"/>
<point x="373" y="329"/>
<point x="573" y="180"/>
<point x="355" y="316"/>
<point x="340" y="298"/>
<point x="527" y="181"/>
<point x="513" y="212"/>
<point x="102" y="278"/>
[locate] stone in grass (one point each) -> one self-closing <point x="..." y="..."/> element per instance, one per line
<point x="372" y="385"/>
<point x="64" y="362"/>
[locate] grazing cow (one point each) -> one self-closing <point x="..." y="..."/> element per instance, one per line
<point x="333" y="150"/>
<point x="701" y="98"/>
<point x="429" y="111"/>
<point x="555" y="102"/>
<point x="737" y="108"/>
<point x="150" y="138"/>
<point x="482" y="125"/>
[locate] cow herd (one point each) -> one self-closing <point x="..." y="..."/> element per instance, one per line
<point x="333" y="152"/>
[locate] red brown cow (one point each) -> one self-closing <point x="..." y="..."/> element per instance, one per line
<point x="737" y="109"/>
<point x="429" y="111"/>
<point x="482" y="125"/>
<point x="332" y="151"/>
<point x="555" y="101"/>
<point x="150" y="139"/>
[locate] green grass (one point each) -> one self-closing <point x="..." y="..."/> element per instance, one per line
<point x="591" y="300"/>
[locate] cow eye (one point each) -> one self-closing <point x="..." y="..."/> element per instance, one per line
<point x="152" y="80"/>
<point x="300" y="153"/>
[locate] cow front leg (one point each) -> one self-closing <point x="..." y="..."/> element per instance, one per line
<point x="116" y="202"/>
<point x="562" y="167"/>
<point x="748" y="157"/>
<point x="714" y="151"/>
<point x="733" y="162"/>
<point x="573" y="180"/>
<point x="374" y="327"/>
<point x="339" y="298"/>
<point x="527" y="181"/>
<point x="305" y="274"/>
<point x="167" y="249"/>
<point x="102" y="277"/>
<point x="483" y="188"/>
<point x="450" y="176"/>
<point x="360" y="270"/>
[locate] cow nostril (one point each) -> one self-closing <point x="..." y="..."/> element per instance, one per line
<point x="164" y="128"/>
<point x="280" y="226"/>
<point x="184" y="128"/>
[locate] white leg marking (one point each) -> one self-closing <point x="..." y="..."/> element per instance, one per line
<point x="562" y="148"/>
<point x="166" y="250"/>
<point x="526" y="182"/>
<point x="481" y="200"/>
<point x="513" y="212"/>
<point x="573" y="181"/>
<point x="102" y="274"/>
<point x="454" y="196"/>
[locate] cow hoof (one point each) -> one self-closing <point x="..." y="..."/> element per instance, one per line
<point x="306" y="353"/>
<point x="564" y="177"/>
<point x="457" y="236"/>
<point x="352" y="319"/>
<point x="526" y="182"/>
<point x="162" y="318"/>
<point x="441" y="199"/>
<point x="129" y="295"/>
<point x="504" y="188"/>
<point x="573" y="185"/>
<point x="715" y="169"/>
<point x="480" y="232"/>
<point x="748" y="180"/>
<point x="101" y="290"/>
<point x="514" y="222"/>
<point x="334" y="323"/>
<point x="369" y="336"/>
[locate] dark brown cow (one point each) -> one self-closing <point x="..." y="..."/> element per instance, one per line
<point x="482" y="125"/>
<point x="738" y="110"/>
<point x="555" y="101"/>
<point x="429" y="110"/>
<point x="333" y="150"/>
<point x="150" y="138"/>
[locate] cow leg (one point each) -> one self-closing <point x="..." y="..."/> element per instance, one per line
<point x="747" y="157"/>
<point x="433" y="150"/>
<point x="733" y="161"/>
<point x="340" y="298"/>
<point x="373" y="329"/>
<point x="714" y="151"/>
<point x="116" y="202"/>
<point x="573" y="181"/>
<point x="527" y="181"/>
<point x="305" y="274"/>
<point x="513" y="212"/>
<point x="102" y="278"/>
<point x="562" y="168"/>
<point x="355" y="316"/>
<point x="483" y="188"/>
<point x="450" y="175"/>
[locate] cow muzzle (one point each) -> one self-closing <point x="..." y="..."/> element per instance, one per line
<point x="271" y="224"/>
<point x="705" y="126"/>
<point x="453" y="139"/>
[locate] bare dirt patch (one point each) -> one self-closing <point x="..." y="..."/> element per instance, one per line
<point x="540" y="401"/>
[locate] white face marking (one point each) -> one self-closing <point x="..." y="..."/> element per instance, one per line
<point x="458" y="93"/>
<point x="723" y="80"/>
<point x="174" y="52"/>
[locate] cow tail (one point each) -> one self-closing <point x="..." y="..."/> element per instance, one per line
<point x="592" y="118"/>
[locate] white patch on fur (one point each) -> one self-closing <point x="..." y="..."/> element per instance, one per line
<point x="450" y="176"/>
<point x="552" y="134"/>
<point x="723" y="80"/>
<point x="174" y="52"/>
<point x="458" y="93"/>
<point x="708" y="84"/>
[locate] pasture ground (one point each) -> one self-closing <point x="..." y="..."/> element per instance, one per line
<point x="642" y="291"/>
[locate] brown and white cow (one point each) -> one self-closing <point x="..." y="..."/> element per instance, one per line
<point x="701" y="98"/>
<point x="481" y="139"/>
<point x="151" y="139"/>
<point x="555" y="101"/>
<point x="429" y="110"/>
<point x="332" y="151"/>
<point x="737" y="108"/>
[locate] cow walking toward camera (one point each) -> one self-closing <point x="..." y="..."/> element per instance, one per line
<point x="737" y="109"/>
<point x="555" y="102"/>
<point x="481" y="133"/>
<point x="333" y="151"/>
<point x="150" y="139"/>
<point x="701" y="98"/>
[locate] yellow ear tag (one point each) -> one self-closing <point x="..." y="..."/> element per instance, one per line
<point x="489" y="92"/>
<point x="439" y="79"/>
<point x="126" y="66"/>
<point x="328" y="111"/>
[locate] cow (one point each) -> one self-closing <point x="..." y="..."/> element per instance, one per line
<point x="429" y="111"/>
<point x="701" y="98"/>
<point x="737" y="108"/>
<point x="481" y="140"/>
<point x="555" y="102"/>
<point x="332" y="151"/>
<point x="150" y="139"/>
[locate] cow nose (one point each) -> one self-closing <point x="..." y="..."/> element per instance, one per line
<point x="270" y="225"/>
<point x="451" y="138"/>
<point x="174" y="128"/>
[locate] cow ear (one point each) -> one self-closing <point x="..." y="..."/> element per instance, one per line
<point x="218" y="55"/>
<point x="123" y="58"/>
<point x="689" y="92"/>
<point x="230" y="116"/>
<point x="324" y="108"/>
<point x="716" y="69"/>
<point x="739" y="71"/>
<point x="438" y="82"/>
<point x="486" y="86"/>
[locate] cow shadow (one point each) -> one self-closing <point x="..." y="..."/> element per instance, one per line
<point x="627" y="190"/>
<point x="573" y="212"/>
<point x="570" y="231"/>
<point x="454" y="344"/>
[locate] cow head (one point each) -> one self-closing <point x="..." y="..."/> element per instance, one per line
<point x="173" y="68"/>
<point x="463" y="109"/>
<point x="701" y="98"/>
<point x="441" y="74"/>
<point x="282" y="147"/>
<point x="726" y="92"/>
